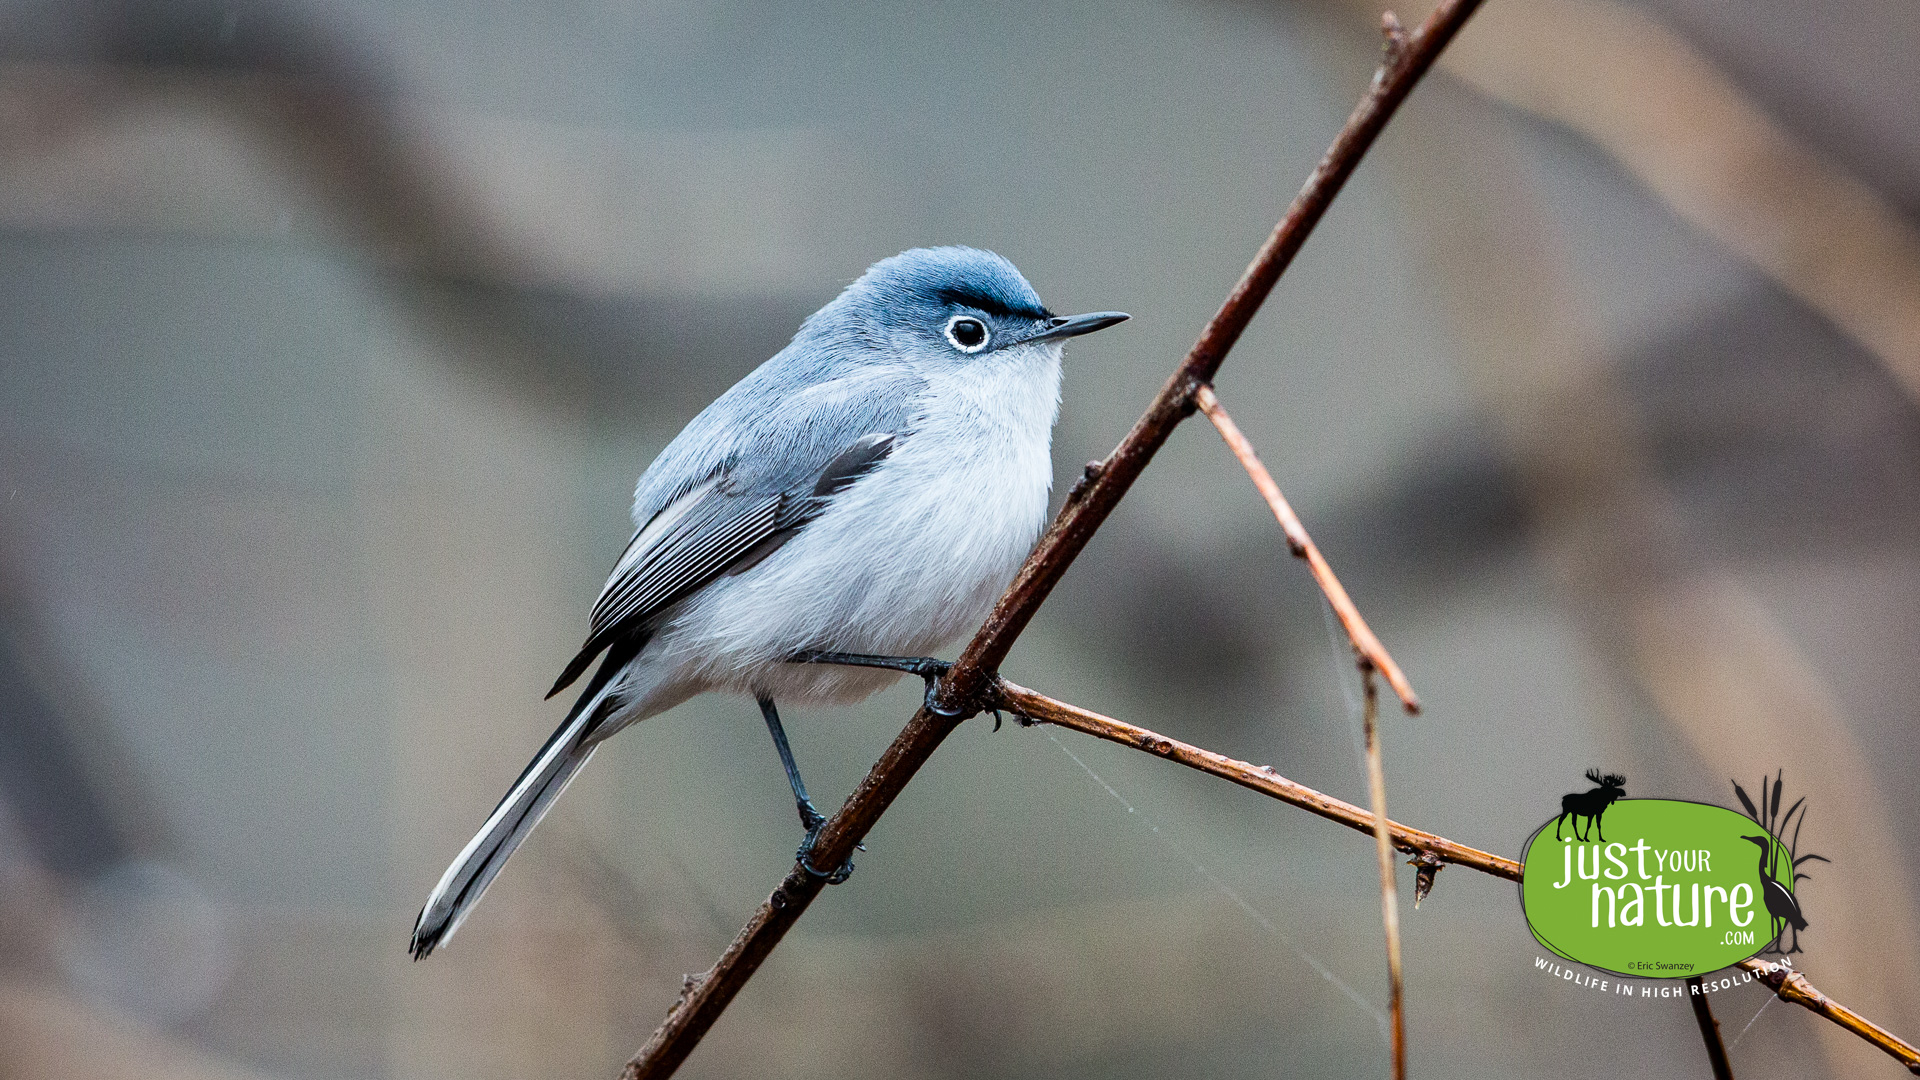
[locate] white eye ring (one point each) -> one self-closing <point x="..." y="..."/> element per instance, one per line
<point x="953" y="339"/>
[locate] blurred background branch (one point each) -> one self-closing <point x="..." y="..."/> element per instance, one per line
<point x="1618" y="76"/>
<point x="1709" y="1029"/>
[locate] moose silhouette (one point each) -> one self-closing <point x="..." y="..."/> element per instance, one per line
<point x="1590" y="804"/>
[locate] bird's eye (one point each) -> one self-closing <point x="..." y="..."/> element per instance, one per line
<point x="967" y="333"/>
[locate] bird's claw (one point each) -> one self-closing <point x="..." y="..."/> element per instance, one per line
<point x="812" y="820"/>
<point x="933" y="671"/>
<point x="988" y="701"/>
<point x="804" y="856"/>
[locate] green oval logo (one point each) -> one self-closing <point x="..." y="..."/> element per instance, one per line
<point x="1656" y="888"/>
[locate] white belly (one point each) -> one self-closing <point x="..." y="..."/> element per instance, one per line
<point x="902" y="562"/>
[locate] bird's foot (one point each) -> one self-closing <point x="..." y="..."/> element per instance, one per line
<point x="811" y="819"/>
<point x="804" y="856"/>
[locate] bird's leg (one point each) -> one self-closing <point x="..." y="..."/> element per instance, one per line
<point x="810" y="817"/>
<point x="926" y="667"/>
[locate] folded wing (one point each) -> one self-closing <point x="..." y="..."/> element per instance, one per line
<point x="708" y="531"/>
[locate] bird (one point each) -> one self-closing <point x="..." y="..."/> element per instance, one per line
<point x="1780" y="903"/>
<point x="853" y="503"/>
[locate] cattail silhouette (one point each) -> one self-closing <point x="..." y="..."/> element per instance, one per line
<point x="1781" y="902"/>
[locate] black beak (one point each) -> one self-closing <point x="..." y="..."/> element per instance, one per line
<point x="1067" y="326"/>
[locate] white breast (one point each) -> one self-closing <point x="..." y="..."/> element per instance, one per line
<point x="907" y="559"/>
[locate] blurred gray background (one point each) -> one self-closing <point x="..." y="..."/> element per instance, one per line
<point x="334" y="335"/>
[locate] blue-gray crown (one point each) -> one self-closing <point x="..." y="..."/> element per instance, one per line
<point x="945" y="277"/>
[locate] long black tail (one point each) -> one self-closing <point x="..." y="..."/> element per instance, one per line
<point x="478" y="863"/>
<point x="526" y="802"/>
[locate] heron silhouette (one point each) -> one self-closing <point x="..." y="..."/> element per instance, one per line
<point x="1780" y="902"/>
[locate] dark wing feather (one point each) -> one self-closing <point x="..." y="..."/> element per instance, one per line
<point x="713" y="533"/>
<point x="704" y="533"/>
<point x="689" y="543"/>
<point x="853" y="463"/>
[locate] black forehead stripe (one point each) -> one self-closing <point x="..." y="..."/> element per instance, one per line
<point x="992" y="305"/>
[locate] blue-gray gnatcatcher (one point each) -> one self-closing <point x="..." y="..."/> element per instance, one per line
<point x="866" y="493"/>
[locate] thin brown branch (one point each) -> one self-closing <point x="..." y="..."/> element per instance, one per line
<point x="1389" y="896"/>
<point x="1789" y="984"/>
<point x="1709" y="1030"/>
<point x="971" y="678"/>
<point x="1366" y="647"/>
<point x="1261" y="778"/>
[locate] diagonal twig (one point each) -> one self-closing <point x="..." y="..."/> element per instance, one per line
<point x="1427" y="847"/>
<point x="1040" y="708"/>
<point x="706" y="996"/>
<point x="1389" y="897"/>
<point x="1366" y="647"/>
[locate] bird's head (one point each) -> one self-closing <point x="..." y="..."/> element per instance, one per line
<point x="949" y="307"/>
